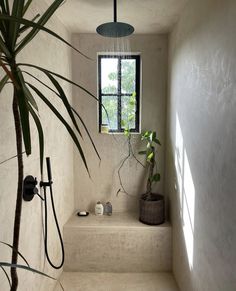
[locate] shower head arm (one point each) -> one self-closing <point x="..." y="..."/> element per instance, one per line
<point x="115" y="10"/>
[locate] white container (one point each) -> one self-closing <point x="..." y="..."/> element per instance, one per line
<point x="99" y="208"/>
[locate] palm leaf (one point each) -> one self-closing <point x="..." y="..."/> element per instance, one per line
<point x="27" y="5"/>
<point x="19" y="253"/>
<point x="8" y="278"/>
<point x="75" y="112"/>
<point x="40" y="134"/>
<point x="28" y="94"/>
<point x="17" y="11"/>
<point x="24" y="117"/>
<point x="64" y="122"/>
<point x="3" y="47"/>
<point x="64" y="100"/>
<point x="24" y="27"/>
<point x="3" y="82"/>
<point x="42" y="21"/>
<point x="39" y="27"/>
<point x="5" y="264"/>
<point x="60" y="77"/>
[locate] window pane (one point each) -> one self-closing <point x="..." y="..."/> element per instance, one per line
<point x="110" y="104"/>
<point x="128" y="108"/>
<point x="128" y="69"/>
<point x="109" y="68"/>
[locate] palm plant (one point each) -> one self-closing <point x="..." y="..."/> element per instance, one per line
<point x="16" y="32"/>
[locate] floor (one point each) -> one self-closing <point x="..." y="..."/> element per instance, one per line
<point x="75" y="281"/>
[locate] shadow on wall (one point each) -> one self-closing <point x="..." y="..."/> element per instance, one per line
<point x="184" y="186"/>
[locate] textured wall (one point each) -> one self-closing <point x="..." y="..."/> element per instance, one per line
<point x="113" y="148"/>
<point x="50" y="53"/>
<point x="201" y="157"/>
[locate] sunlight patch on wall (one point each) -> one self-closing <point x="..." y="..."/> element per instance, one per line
<point x="185" y="188"/>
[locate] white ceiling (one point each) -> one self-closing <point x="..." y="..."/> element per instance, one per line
<point x="147" y="16"/>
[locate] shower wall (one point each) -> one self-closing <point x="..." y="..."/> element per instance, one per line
<point x="50" y="53"/>
<point x="104" y="183"/>
<point x="201" y="157"/>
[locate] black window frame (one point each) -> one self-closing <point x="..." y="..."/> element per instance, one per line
<point x="119" y="94"/>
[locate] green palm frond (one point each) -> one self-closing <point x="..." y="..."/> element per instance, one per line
<point x="75" y="112"/>
<point x="7" y="276"/>
<point x="63" y="121"/>
<point x="40" y="134"/>
<point x="3" y="82"/>
<point x="17" y="11"/>
<point x="9" y="265"/>
<point x="60" y="77"/>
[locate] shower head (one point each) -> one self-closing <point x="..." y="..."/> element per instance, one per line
<point x="115" y="29"/>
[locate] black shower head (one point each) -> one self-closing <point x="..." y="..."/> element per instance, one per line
<point x="115" y="29"/>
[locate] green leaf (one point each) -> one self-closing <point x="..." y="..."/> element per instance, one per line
<point x="64" y="100"/>
<point x="39" y="27"/>
<point x="24" y="27"/>
<point x="142" y="152"/>
<point x="26" y="7"/>
<point x="17" y="11"/>
<point x="156" y="177"/>
<point x="64" y="122"/>
<point x="75" y="112"/>
<point x="8" y="278"/>
<point x="24" y="117"/>
<point x="3" y="82"/>
<point x="19" y="253"/>
<point x="150" y="156"/>
<point x="131" y="117"/>
<point x="127" y="132"/>
<point x="42" y="21"/>
<point x="3" y="48"/>
<point x="157" y="141"/>
<point x="40" y="135"/>
<point x="27" y="93"/>
<point x="123" y="123"/>
<point x="60" y="77"/>
<point x="5" y="264"/>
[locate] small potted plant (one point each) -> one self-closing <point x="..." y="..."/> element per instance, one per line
<point x="152" y="210"/>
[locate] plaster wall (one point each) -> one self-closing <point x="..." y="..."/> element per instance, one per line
<point x="201" y="157"/>
<point x="104" y="182"/>
<point x="50" y="53"/>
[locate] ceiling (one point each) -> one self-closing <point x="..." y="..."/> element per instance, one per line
<point x="147" y="16"/>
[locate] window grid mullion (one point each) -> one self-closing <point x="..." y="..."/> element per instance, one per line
<point x="119" y="95"/>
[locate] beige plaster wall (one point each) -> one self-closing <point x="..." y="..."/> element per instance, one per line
<point x="113" y="148"/>
<point x="201" y="158"/>
<point x="50" y="53"/>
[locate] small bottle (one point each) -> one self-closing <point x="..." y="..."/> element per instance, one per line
<point x="108" y="208"/>
<point x="99" y="208"/>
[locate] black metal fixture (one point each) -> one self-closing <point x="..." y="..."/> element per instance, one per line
<point x="115" y="29"/>
<point x="29" y="190"/>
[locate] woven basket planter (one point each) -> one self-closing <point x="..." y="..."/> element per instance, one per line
<point x="152" y="212"/>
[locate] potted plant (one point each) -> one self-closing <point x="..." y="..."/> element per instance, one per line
<point x="151" y="205"/>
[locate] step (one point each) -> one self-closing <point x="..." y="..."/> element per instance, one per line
<point x="117" y="281"/>
<point x="117" y="243"/>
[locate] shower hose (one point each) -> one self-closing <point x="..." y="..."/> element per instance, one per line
<point x="46" y="230"/>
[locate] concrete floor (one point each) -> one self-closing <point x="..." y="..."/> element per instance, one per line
<point x="75" y="281"/>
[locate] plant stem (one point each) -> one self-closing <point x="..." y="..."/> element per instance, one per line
<point x="16" y="231"/>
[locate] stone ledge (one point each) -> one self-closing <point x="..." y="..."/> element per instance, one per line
<point x="119" y="243"/>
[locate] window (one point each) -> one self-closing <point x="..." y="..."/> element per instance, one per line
<point x="119" y="92"/>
